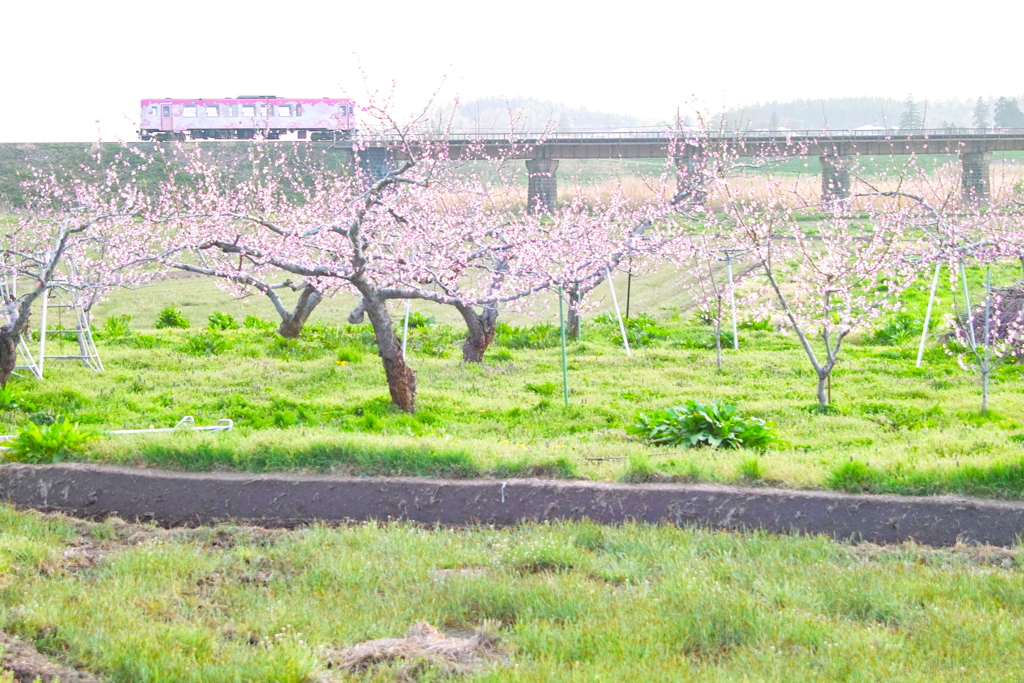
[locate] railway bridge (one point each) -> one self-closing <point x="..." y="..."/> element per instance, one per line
<point x="836" y="150"/>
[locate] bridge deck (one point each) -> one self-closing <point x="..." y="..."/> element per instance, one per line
<point x="653" y="145"/>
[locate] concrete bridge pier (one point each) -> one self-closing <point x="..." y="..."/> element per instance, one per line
<point x="542" y="194"/>
<point x="835" y="179"/>
<point x="975" y="178"/>
<point x="375" y="162"/>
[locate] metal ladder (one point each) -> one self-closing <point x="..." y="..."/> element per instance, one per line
<point x="88" y="353"/>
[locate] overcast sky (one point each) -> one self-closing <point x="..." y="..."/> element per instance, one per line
<point x="66" y="65"/>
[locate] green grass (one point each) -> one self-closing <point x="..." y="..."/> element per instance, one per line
<point x="320" y="403"/>
<point x="574" y="601"/>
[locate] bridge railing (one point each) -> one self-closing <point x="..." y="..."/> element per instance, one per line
<point x="535" y="138"/>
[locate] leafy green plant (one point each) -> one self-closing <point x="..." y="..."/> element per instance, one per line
<point x="417" y="320"/>
<point x="756" y="324"/>
<point x="171" y="317"/>
<point x="435" y="341"/>
<point x="643" y="330"/>
<point x="727" y="340"/>
<point x="251" y="322"/>
<point x="540" y="336"/>
<point x="896" y="330"/>
<point x="349" y="355"/>
<point x="695" y="424"/>
<point x="11" y="401"/>
<point x="221" y="321"/>
<point x="40" y="444"/>
<point x="205" y="344"/>
<point x="116" y="327"/>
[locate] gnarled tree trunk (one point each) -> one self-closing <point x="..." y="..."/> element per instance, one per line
<point x="8" y="353"/>
<point x="480" y="331"/>
<point x="291" y="325"/>
<point x="572" y="319"/>
<point x="401" y="378"/>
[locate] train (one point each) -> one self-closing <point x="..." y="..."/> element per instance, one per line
<point x="247" y="117"/>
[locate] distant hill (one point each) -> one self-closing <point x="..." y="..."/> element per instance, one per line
<point x="841" y="113"/>
<point x="527" y="114"/>
<point x="845" y="113"/>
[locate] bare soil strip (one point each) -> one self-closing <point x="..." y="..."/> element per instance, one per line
<point x="28" y="666"/>
<point x="183" y="498"/>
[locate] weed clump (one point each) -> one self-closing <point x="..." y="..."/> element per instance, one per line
<point x="641" y="330"/>
<point x="221" y="322"/>
<point x="349" y="354"/>
<point x="207" y="343"/>
<point x="252" y="322"/>
<point x="11" y="401"/>
<point x="541" y="336"/>
<point x="38" y="444"/>
<point x="897" y="330"/>
<point x="116" y="327"/>
<point x="171" y="317"/>
<point x="692" y="425"/>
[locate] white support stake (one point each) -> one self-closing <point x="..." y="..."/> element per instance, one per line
<point x="618" y="313"/>
<point x="42" y="330"/>
<point x="405" y="328"/>
<point x="732" y="304"/>
<point x="970" y="313"/>
<point x="928" y="314"/>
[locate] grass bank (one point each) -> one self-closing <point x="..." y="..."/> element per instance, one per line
<point x="572" y="602"/>
<point x="320" y="403"/>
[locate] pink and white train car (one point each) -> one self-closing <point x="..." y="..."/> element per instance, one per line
<point x="244" y="118"/>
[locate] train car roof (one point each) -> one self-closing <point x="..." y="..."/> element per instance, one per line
<point x="228" y="100"/>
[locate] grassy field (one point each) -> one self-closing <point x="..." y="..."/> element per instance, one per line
<point x="320" y="403"/>
<point x="569" y="602"/>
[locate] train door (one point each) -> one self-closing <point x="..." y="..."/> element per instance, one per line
<point x="166" y="121"/>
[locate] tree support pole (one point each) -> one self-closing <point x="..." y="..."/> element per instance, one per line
<point x="42" y="330"/>
<point x="618" y="313"/>
<point x="970" y="315"/>
<point x="405" y="328"/>
<point x="986" y="367"/>
<point x="928" y="314"/>
<point x="565" y="365"/>
<point x="732" y="304"/>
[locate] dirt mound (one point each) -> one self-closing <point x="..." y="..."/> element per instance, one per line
<point x="424" y="647"/>
<point x="23" y="660"/>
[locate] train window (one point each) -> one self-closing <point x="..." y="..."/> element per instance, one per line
<point x="212" y="110"/>
<point x="344" y="110"/>
<point x="298" y="110"/>
<point x="152" y="111"/>
<point x="234" y="110"/>
<point x="167" y="110"/>
<point x="188" y="110"/>
<point x="248" y="110"/>
<point x="284" y="110"/>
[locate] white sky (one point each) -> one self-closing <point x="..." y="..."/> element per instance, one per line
<point x="66" y="65"/>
